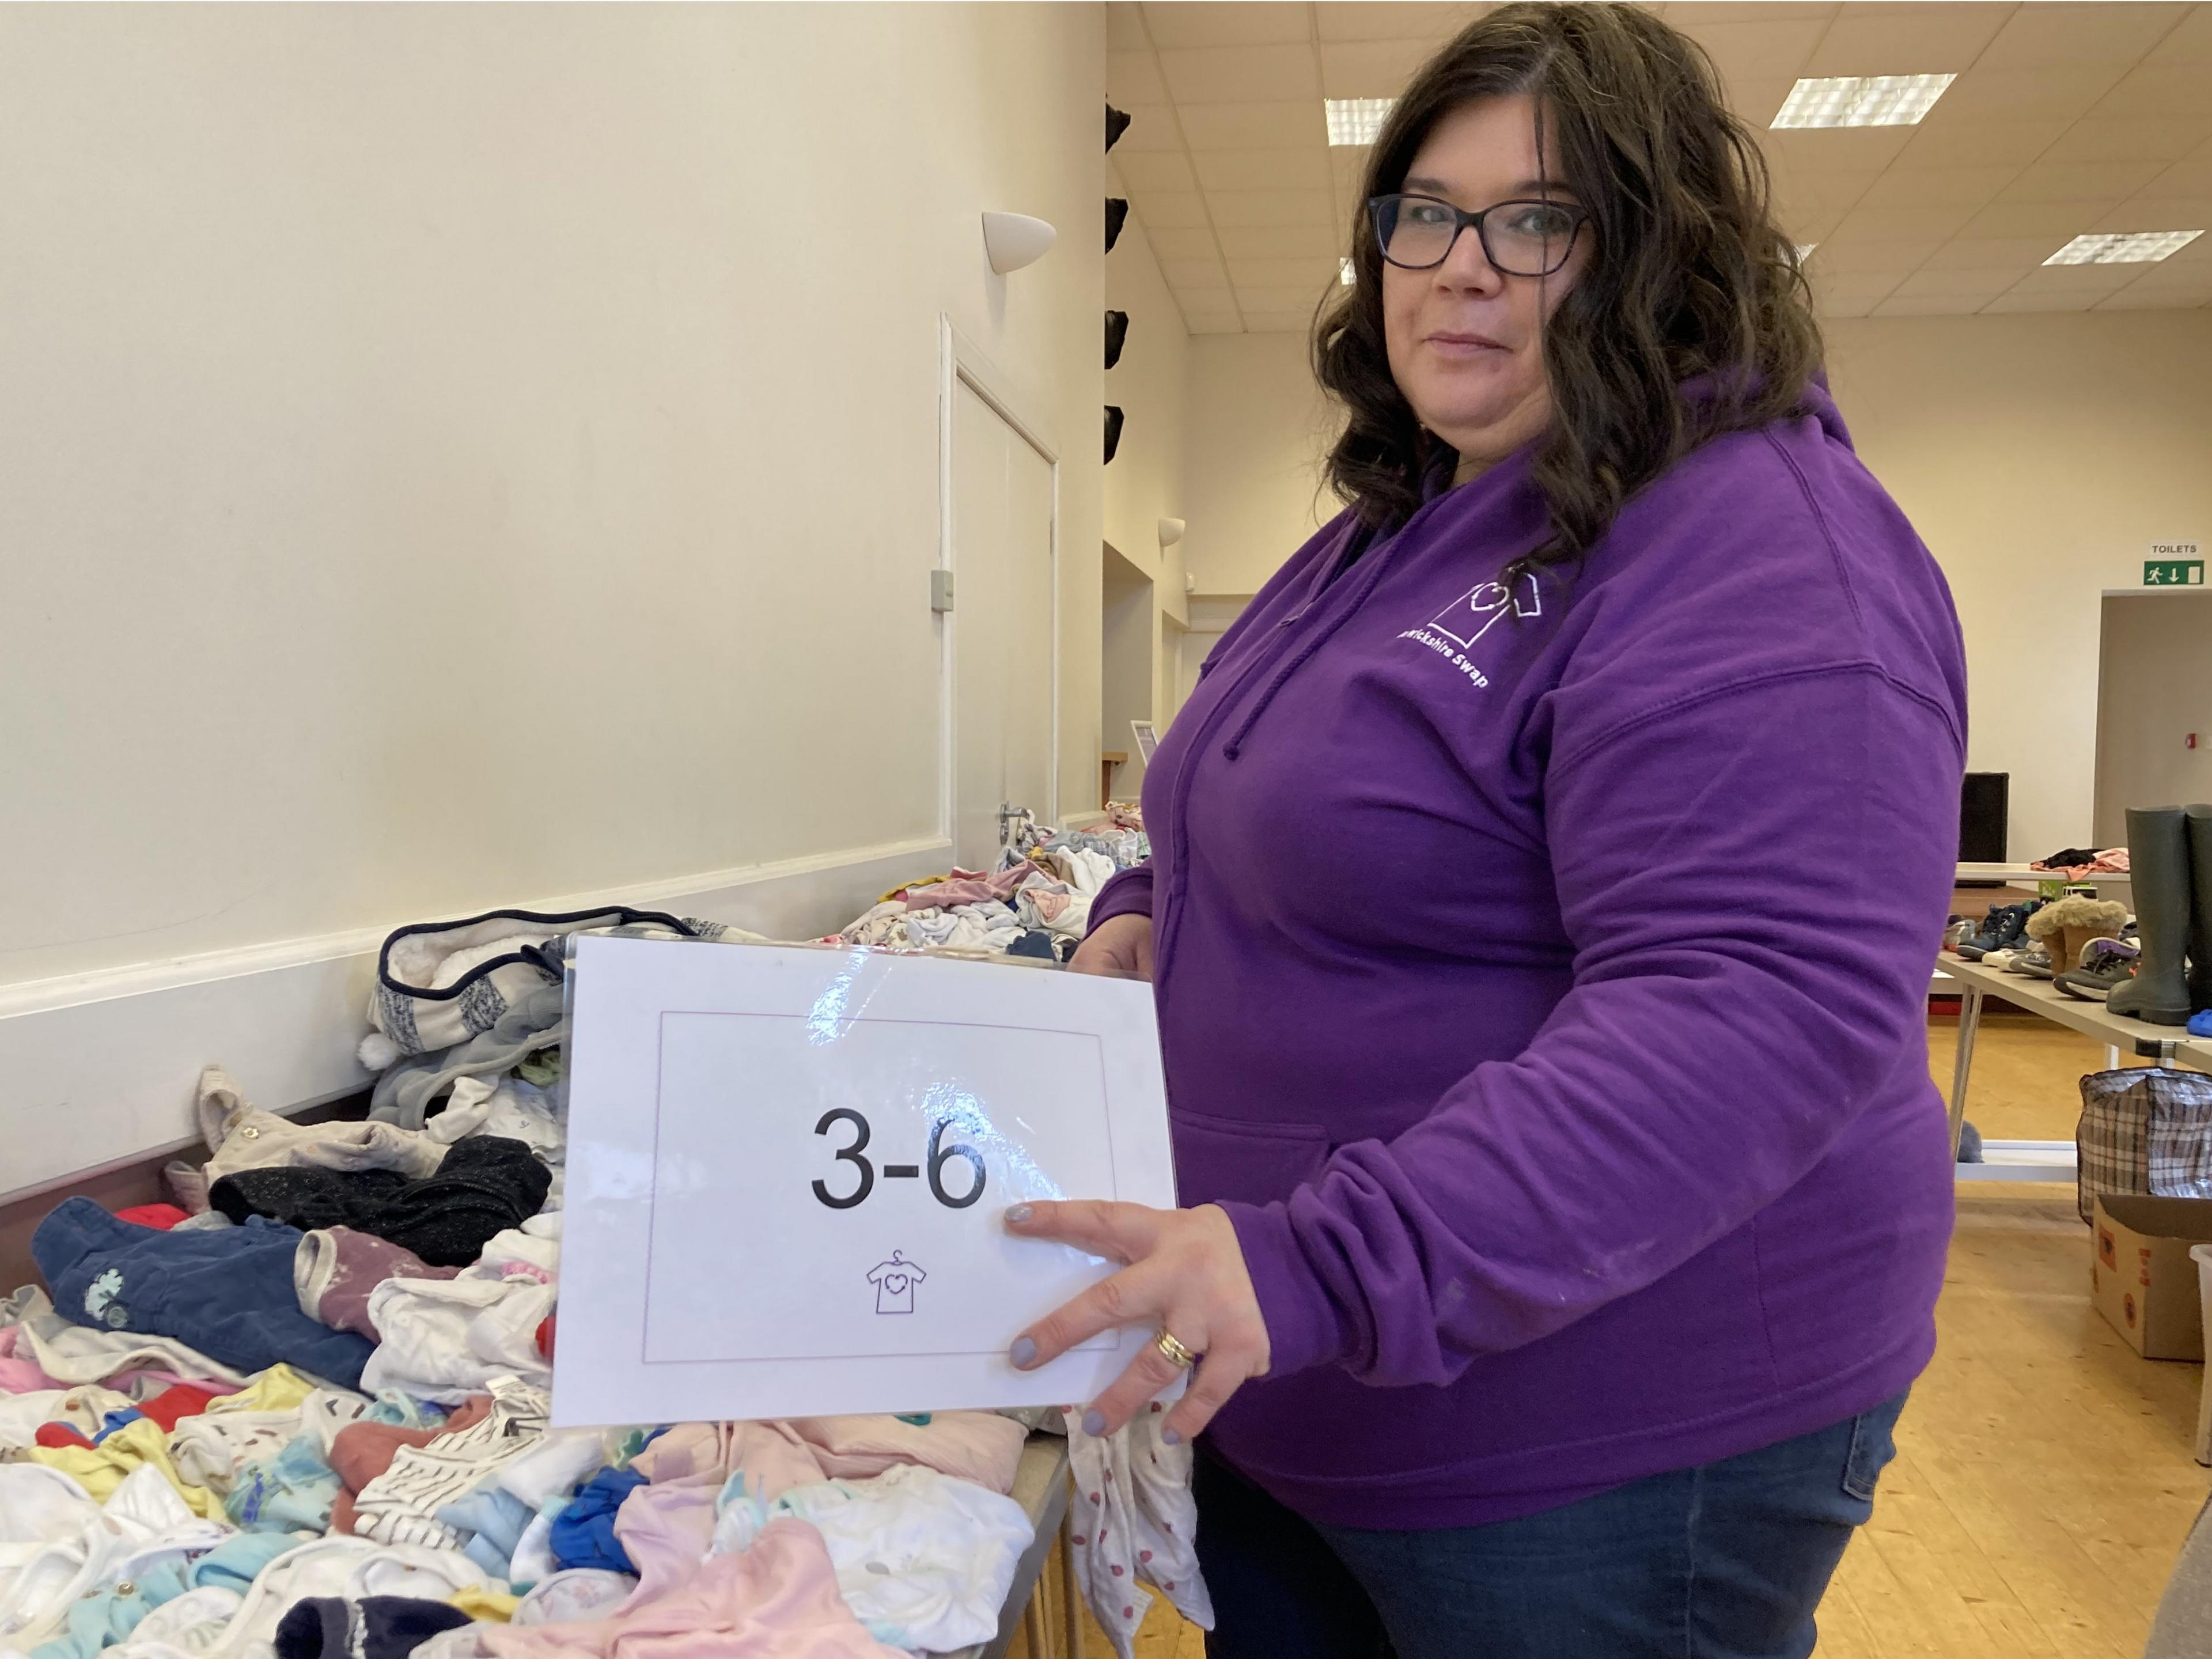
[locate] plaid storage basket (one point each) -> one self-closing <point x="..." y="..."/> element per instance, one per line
<point x="2143" y="1129"/>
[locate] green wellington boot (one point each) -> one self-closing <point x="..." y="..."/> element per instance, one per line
<point x="2200" y="916"/>
<point x="2159" y="871"/>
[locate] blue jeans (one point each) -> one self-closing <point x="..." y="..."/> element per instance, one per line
<point x="1724" y="1561"/>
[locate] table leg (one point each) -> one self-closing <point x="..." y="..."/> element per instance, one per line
<point x="1071" y="1593"/>
<point x="2112" y="1056"/>
<point x="1969" y="1022"/>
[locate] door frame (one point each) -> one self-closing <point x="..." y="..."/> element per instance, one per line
<point x="961" y="362"/>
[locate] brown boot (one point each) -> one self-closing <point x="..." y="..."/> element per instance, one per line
<point x="2065" y="925"/>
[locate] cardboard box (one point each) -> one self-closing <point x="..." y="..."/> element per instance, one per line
<point x="2140" y="1277"/>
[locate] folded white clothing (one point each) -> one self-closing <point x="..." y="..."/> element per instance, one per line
<point x="400" y="1505"/>
<point x="192" y="1622"/>
<point x="560" y="1461"/>
<point x="86" y="1353"/>
<point x="923" y="1560"/>
<point x="22" y="1415"/>
<point x="57" y="1544"/>
<point x="501" y="1106"/>
<point x="445" y="1339"/>
<point x="208" y="1449"/>
<point x="573" y="1595"/>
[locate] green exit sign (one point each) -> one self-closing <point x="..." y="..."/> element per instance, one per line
<point x="2174" y="573"/>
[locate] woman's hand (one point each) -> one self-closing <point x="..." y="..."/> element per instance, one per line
<point x="1185" y="1275"/>
<point x="1121" y="948"/>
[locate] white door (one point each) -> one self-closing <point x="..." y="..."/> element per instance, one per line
<point x="1002" y="628"/>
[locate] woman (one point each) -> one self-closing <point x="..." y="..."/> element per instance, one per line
<point x="1546" y="873"/>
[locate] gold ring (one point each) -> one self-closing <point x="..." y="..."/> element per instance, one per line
<point x="1177" y="1356"/>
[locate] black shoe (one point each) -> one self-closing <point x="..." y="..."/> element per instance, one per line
<point x="1117" y="331"/>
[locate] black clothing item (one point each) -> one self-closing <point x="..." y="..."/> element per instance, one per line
<point x="2068" y="856"/>
<point x="1117" y="215"/>
<point x="1117" y="123"/>
<point x="1117" y="331"/>
<point x="488" y="1183"/>
<point x="374" y="1627"/>
<point x="1113" y="429"/>
<point x="1035" y="942"/>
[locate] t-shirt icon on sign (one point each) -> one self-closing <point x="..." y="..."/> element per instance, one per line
<point x="895" y="1280"/>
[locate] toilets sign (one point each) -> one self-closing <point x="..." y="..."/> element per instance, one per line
<point x="2174" y="564"/>
<point x="787" y="1167"/>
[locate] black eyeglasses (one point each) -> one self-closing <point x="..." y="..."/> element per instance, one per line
<point x="1522" y="238"/>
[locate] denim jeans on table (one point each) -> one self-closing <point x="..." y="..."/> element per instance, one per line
<point x="1724" y="1561"/>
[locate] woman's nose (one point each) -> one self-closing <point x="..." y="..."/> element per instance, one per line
<point x="1467" y="267"/>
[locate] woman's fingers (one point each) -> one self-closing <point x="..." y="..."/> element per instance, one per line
<point x="1122" y="1231"/>
<point x="1131" y="1296"/>
<point x="1217" y="1377"/>
<point x="1127" y="1394"/>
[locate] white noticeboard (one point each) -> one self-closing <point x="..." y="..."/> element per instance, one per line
<point x="787" y="1167"/>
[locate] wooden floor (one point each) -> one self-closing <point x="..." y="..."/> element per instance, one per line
<point x="2044" y="1479"/>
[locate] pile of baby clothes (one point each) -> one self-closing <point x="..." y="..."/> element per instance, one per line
<point x="1035" y="903"/>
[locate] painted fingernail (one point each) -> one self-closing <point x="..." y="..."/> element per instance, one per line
<point x="1022" y="1353"/>
<point x="1170" y="1438"/>
<point x="1094" y="1423"/>
<point x="1018" y="1212"/>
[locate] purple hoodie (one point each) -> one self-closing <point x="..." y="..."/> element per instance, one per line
<point x="1542" y="982"/>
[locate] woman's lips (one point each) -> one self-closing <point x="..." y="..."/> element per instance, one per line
<point x="1453" y="345"/>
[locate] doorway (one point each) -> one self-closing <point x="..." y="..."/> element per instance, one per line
<point x="2154" y="705"/>
<point x="1125" y="658"/>
<point x="1000" y="548"/>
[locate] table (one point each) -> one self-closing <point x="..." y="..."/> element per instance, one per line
<point x="2047" y="1160"/>
<point x="1042" y="1488"/>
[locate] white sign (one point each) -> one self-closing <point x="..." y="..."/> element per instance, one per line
<point x="787" y="1167"/>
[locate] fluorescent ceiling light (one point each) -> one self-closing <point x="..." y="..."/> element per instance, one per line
<point x="1805" y="250"/>
<point x="2134" y="248"/>
<point x="1344" y="272"/>
<point x="1862" y="100"/>
<point x="1356" y="120"/>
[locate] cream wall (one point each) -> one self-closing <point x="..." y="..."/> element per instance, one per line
<point x="1259" y="428"/>
<point x="2037" y="454"/>
<point x="460" y="455"/>
<point x="1147" y="481"/>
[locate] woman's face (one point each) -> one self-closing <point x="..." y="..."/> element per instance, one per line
<point x="1466" y="340"/>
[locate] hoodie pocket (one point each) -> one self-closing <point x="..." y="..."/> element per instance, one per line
<point x="1220" y="1158"/>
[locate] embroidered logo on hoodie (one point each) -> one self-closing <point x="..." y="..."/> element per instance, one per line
<point x="1456" y="629"/>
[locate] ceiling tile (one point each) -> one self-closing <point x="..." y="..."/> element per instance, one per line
<point x="1746" y="49"/>
<point x="1132" y="77"/>
<point x="1382" y="20"/>
<point x="1835" y="307"/>
<point x="1891" y="223"/>
<point x="2173" y="90"/>
<point x="1241" y="74"/>
<point x="1301" y="299"/>
<point x="1870" y="259"/>
<point x="1834" y="149"/>
<point x="2136" y="298"/>
<point x="1188" y="275"/>
<point x="1262" y="169"/>
<point x="2172" y="275"/>
<point x="1148" y="171"/>
<point x="1288" y="125"/>
<point x="2096" y="138"/>
<point x="1930" y="40"/>
<point x="1196" y="243"/>
<point x="1940" y="187"/>
<point x="2044" y="34"/>
<point x="2190" y="42"/>
<point x="1979" y="285"/>
<point x="2007" y="219"/>
<point x="2075" y="279"/>
<point x="2012" y="302"/>
<point x="1216" y="322"/>
<point x="1270" y="207"/>
<point x="1949" y="305"/>
<point x="1960" y="143"/>
<point x="1349" y="167"/>
<point x="2148" y="212"/>
<point x="2191" y="176"/>
<point x="1302" y="275"/>
<point x="1169" y="209"/>
<point x="1983" y="94"/>
<point x="2103" y="182"/>
<point x="1759" y="100"/>
<point x="1277" y="322"/>
<point x="1152" y="127"/>
<point x="1854" y="291"/>
<point x="1278" y="242"/>
<point x="1696" y="14"/>
<point x="1370" y="68"/>
<point x="1993" y="254"/>
<point x="1822" y="197"/>
<point x="1208" y="23"/>
<point x="1125" y="30"/>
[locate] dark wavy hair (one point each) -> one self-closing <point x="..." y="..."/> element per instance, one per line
<point x="1691" y="278"/>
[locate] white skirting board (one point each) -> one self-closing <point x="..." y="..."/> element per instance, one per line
<point x="102" y="1067"/>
